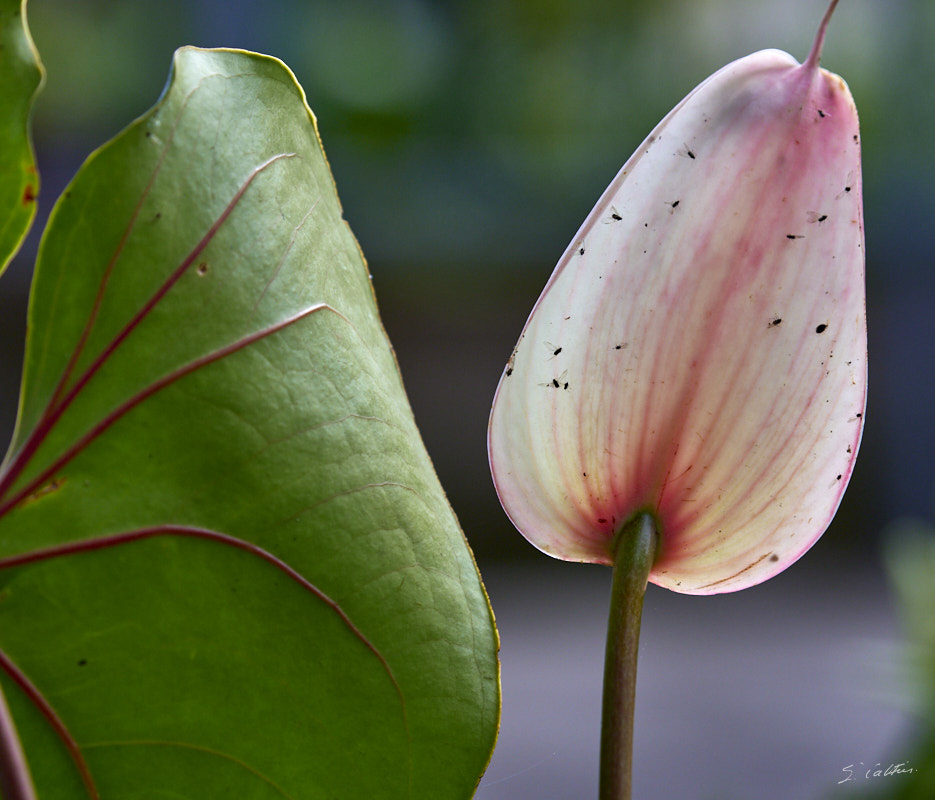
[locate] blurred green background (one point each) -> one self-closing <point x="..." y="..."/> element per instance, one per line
<point x="470" y="138"/>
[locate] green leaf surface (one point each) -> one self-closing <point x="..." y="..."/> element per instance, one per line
<point x="227" y="566"/>
<point x="20" y="76"/>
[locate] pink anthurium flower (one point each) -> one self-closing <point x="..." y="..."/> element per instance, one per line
<point x="700" y="350"/>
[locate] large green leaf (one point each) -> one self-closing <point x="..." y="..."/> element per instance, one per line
<point x="20" y="76"/>
<point x="256" y="587"/>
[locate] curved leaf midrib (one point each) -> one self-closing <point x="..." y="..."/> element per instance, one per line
<point x="55" y="410"/>
<point x="39" y="701"/>
<point x="36" y="696"/>
<point x="82" y="442"/>
<point x="112" y="540"/>
<point x="118" y="251"/>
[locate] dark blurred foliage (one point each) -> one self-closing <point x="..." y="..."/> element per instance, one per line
<point x="470" y="138"/>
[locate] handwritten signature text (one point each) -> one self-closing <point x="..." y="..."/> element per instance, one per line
<point x="856" y="771"/>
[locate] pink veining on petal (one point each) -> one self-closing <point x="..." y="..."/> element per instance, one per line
<point x="710" y="314"/>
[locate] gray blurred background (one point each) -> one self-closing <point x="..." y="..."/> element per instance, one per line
<point x="468" y="140"/>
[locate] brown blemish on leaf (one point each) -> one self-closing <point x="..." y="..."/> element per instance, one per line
<point x="29" y="194"/>
<point x="52" y="486"/>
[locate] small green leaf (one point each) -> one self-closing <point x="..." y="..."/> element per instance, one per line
<point x="256" y="587"/>
<point x="21" y="76"/>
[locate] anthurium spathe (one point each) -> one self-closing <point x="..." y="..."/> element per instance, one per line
<point x="700" y="350"/>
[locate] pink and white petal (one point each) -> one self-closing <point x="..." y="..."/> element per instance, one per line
<point x="709" y="322"/>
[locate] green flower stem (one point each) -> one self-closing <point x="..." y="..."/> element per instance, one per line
<point x="635" y="551"/>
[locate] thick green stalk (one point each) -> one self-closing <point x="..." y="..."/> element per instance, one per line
<point x="635" y="551"/>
